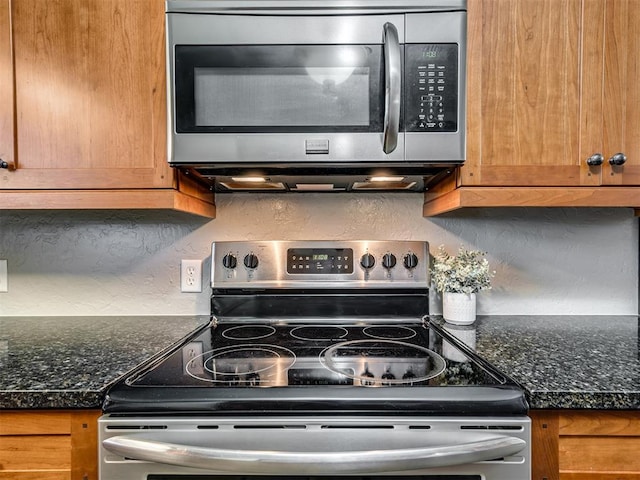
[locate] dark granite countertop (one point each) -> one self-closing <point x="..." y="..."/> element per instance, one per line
<point x="581" y="362"/>
<point x="561" y="361"/>
<point x="68" y="362"/>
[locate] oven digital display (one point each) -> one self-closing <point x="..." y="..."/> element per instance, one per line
<point x="333" y="261"/>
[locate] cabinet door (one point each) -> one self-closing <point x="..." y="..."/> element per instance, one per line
<point x="89" y="94"/>
<point x="6" y="89"/>
<point x="621" y="118"/>
<point x="523" y="94"/>
<point x="601" y="444"/>
<point x="49" y="445"/>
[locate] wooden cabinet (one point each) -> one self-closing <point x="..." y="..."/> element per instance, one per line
<point x="585" y="445"/>
<point x="621" y="91"/>
<point x="49" y="445"/>
<point x="550" y="84"/>
<point x="6" y="87"/>
<point x="85" y="126"/>
<point x="523" y="98"/>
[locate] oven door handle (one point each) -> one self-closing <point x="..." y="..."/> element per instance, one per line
<point x="377" y="460"/>
<point x="392" y="82"/>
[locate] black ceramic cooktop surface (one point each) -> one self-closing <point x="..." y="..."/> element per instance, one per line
<point x="289" y="366"/>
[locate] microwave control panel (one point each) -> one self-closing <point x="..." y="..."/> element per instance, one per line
<point x="431" y="80"/>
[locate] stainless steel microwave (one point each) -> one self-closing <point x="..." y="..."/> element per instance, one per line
<point x="292" y="94"/>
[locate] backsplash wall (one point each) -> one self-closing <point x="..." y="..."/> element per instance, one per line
<point x="547" y="261"/>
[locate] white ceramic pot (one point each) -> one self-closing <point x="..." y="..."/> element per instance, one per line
<point x="459" y="308"/>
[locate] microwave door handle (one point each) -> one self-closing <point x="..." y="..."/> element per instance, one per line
<point x="392" y="81"/>
<point x="468" y="449"/>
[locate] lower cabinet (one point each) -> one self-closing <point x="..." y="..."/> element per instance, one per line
<point x="49" y="445"/>
<point x="585" y="444"/>
<point x="566" y="444"/>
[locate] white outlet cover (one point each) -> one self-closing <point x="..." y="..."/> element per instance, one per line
<point x="191" y="276"/>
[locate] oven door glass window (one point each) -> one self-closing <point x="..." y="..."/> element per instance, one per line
<point x="278" y="88"/>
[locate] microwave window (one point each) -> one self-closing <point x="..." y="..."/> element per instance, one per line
<point x="281" y="96"/>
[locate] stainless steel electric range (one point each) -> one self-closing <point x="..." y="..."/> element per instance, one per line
<point x="319" y="362"/>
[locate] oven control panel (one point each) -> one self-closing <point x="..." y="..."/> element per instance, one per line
<point x="319" y="261"/>
<point x="320" y="264"/>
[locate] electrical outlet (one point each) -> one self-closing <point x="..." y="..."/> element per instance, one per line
<point x="191" y="276"/>
<point x="192" y="356"/>
<point x="4" y="280"/>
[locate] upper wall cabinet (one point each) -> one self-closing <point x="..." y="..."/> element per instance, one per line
<point x="621" y="90"/>
<point x="523" y="97"/>
<point x="7" y="152"/>
<point x="553" y="99"/>
<point x="83" y="107"/>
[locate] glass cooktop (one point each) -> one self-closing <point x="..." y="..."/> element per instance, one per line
<point x="289" y="366"/>
<point x="291" y="355"/>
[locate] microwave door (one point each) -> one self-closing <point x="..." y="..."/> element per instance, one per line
<point x="312" y="101"/>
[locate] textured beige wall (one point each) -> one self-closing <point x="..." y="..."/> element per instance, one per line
<point x="548" y="261"/>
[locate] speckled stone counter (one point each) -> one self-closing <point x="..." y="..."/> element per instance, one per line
<point x="580" y="362"/>
<point x="68" y="362"/>
<point x="562" y="361"/>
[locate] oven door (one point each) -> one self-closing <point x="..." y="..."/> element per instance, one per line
<point x="209" y="448"/>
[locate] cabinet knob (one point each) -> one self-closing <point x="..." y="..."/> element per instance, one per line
<point x="595" y="159"/>
<point x="4" y="164"/>
<point x="618" y="159"/>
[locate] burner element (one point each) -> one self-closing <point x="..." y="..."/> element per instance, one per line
<point x="383" y="362"/>
<point x="248" y="365"/>
<point x="319" y="332"/>
<point x="248" y="332"/>
<point x="389" y="332"/>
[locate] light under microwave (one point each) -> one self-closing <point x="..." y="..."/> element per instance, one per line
<point x="295" y="88"/>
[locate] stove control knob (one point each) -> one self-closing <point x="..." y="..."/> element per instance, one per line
<point x="229" y="261"/>
<point x="410" y="261"/>
<point x="367" y="261"/>
<point x="389" y="260"/>
<point x="251" y="260"/>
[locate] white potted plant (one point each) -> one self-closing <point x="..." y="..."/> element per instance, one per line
<point x="459" y="278"/>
